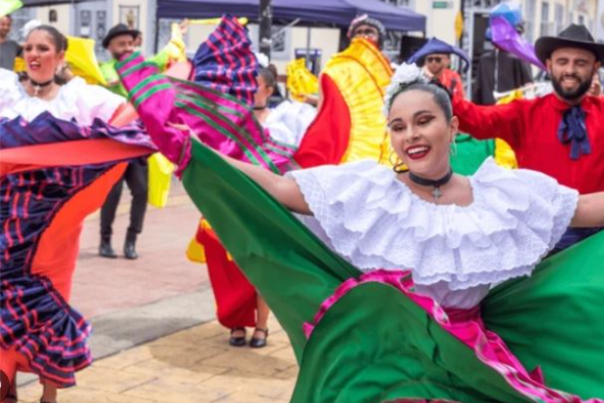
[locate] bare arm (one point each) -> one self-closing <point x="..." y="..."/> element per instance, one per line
<point x="590" y="211"/>
<point x="284" y="189"/>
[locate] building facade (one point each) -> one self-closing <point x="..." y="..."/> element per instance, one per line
<point x="91" y="19"/>
<point x="542" y="17"/>
<point x="446" y="21"/>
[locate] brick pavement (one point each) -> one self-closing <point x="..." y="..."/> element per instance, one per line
<point x="192" y="366"/>
<point x="102" y="286"/>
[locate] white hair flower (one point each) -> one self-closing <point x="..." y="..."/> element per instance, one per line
<point x="30" y="26"/>
<point x="263" y="60"/>
<point x="404" y="76"/>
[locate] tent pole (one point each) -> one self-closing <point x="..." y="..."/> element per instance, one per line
<point x="307" y="47"/>
<point x="266" y="19"/>
<point x="156" y="41"/>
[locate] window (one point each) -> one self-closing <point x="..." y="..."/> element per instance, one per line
<point x="592" y="25"/>
<point x="400" y="3"/>
<point x="559" y="18"/>
<point x="531" y="15"/>
<point x="20" y="18"/>
<point x="545" y="23"/>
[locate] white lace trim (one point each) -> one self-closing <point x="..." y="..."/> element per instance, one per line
<point x="76" y="100"/>
<point x="375" y="221"/>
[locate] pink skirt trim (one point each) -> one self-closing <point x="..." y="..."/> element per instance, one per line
<point x="468" y="327"/>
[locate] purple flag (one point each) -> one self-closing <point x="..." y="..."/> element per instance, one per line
<point x="506" y="37"/>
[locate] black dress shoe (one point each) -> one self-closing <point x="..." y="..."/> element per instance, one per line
<point x="257" y="342"/>
<point x="130" y="250"/>
<point x="106" y="250"/>
<point x="238" y="341"/>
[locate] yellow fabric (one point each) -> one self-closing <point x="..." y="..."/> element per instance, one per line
<point x="459" y="25"/>
<point x="19" y="65"/>
<point x="216" y="21"/>
<point x="82" y="61"/>
<point x="300" y="81"/>
<point x="9" y="6"/>
<point x="175" y="51"/>
<point x="196" y="251"/>
<point x="362" y="74"/>
<point x="504" y="154"/>
<point x="176" y="48"/>
<point x="160" y="175"/>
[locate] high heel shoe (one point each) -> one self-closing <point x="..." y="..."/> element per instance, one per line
<point x="237" y="341"/>
<point x="257" y="342"/>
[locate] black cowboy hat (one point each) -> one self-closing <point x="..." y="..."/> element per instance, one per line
<point x="575" y="36"/>
<point x="119" y="29"/>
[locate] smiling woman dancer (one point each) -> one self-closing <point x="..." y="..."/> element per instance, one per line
<point x="428" y="246"/>
<point x="57" y="167"/>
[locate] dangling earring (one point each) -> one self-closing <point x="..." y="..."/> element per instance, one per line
<point x="397" y="166"/>
<point x="453" y="148"/>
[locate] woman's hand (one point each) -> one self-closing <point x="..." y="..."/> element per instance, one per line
<point x="590" y="211"/>
<point x="184" y="26"/>
<point x="285" y="190"/>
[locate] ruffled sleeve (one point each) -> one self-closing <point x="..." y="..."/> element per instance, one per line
<point x="371" y="218"/>
<point x="9" y="90"/>
<point x="288" y="122"/>
<point x="90" y="101"/>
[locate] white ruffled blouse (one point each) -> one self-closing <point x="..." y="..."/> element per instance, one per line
<point x="75" y="100"/>
<point x="364" y="213"/>
<point x="288" y="122"/>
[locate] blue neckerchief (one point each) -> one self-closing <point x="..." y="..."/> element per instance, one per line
<point x="572" y="130"/>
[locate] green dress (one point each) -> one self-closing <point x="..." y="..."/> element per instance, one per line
<point x="375" y="343"/>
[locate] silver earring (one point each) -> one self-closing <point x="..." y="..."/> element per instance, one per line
<point x="453" y="149"/>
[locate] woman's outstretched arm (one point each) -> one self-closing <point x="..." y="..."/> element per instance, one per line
<point x="282" y="188"/>
<point x="590" y="211"/>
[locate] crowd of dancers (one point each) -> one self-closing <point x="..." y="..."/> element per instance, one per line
<point x="414" y="245"/>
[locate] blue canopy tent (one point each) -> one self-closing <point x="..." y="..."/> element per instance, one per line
<point x="338" y="12"/>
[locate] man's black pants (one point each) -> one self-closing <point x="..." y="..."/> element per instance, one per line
<point x="136" y="177"/>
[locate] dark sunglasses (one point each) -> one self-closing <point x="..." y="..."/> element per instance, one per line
<point x="366" y="32"/>
<point x="434" y="59"/>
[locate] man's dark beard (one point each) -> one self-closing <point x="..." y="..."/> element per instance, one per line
<point x="117" y="56"/>
<point x="574" y="94"/>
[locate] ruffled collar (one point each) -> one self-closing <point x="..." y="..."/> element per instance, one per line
<point x="65" y="91"/>
<point x="376" y="221"/>
<point x="74" y="100"/>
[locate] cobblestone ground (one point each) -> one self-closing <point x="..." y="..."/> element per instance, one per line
<point x="191" y="365"/>
<point x="195" y="365"/>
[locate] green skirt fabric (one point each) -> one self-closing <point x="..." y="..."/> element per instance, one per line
<point x="374" y="344"/>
